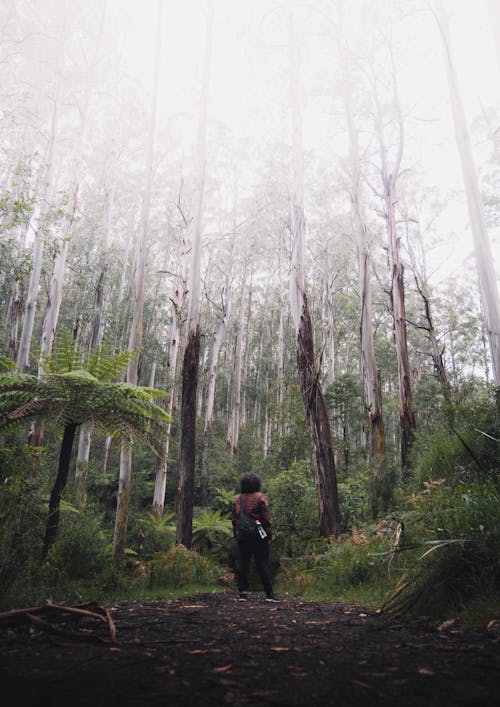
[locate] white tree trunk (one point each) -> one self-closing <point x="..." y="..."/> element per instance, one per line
<point x="235" y="412"/>
<point x="37" y="226"/>
<point x="185" y="489"/>
<point x="172" y="365"/>
<point x="135" y="338"/>
<point x="482" y="247"/>
<point x="218" y="337"/>
<point x="315" y="408"/>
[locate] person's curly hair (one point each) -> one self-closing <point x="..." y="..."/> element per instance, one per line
<point x="250" y="483"/>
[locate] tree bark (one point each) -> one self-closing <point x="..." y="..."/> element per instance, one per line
<point x="389" y="177"/>
<point x="185" y="490"/>
<point x="173" y="355"/>
<point x="37" y="225"/>
<point x="317" y="415"/>
<point x="135" y="338"/>
<point x="488" y="288"/>
<point x="321" y="437"/>
<point x="58" y="488"/>
<point x="209" y="405"/>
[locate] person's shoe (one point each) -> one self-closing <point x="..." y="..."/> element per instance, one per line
<point x="243" y="596"/>
<point x="272" y="597"/>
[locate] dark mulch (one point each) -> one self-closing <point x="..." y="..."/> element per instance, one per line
<point x="210" y="650"/>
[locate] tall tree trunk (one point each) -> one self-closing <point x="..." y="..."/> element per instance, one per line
<point x="96" y="337"/>
<point x="212" y="380"/>
<point x="389" y="177"/>
<point x="135" y="338"/>
<point x="488" y="288"/>
<point x="173" y="356"/>
<point x="321" y="438"/>
<point x="235" y="412"/>
<point x="37" y="224"/>
<point x="58" y="488"/>
<point x="185" y="490"/>
<point x="370" y="374"/>
<point x="406" y="412"/>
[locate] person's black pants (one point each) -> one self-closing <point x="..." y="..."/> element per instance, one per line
<point x="259" y="550"/>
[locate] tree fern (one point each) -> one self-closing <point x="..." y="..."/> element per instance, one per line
<point x="67" y="400"/>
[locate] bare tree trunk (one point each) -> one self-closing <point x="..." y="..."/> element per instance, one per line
<point x="321" y="438"/>
<point x="234" y="420"/>
<point x="38" y="228"/>
<point x="173" y="356"/>
<point x="370" y="374"/>
<point x="58" y="488"/>
<point x="185" y="491"/>
<point x="389" y="176"/>
<point x="135" y="338"/>
<point x="482" y="247"/>
<point x="209" y="405"/>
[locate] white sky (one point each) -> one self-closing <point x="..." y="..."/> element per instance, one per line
<point x="249" y="47"/>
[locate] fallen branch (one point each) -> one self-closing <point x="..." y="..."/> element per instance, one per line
<point x="60" y="614"/>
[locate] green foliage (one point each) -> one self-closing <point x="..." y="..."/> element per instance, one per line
<point x="212" y="533"/>
<point x="150" y="535"/>
<point x="293" y="441"/>
<point x="354" y="500"/>
<point x="180" y="567"/>
<point x="292" y="497"/>
<point x="342" y="400"/>
<point x="22" y="512"/>
<point x="103" y="363"/>
<point x="467" y="448"/>
<point x="77" y="397"/>
<point x="223" y="502"/>
<point x="458" y="528"/>
<point x="81" y="548"/>
<point x="336" y="569"/>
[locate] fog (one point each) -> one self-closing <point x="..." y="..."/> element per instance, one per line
<point x="102" y="52"/>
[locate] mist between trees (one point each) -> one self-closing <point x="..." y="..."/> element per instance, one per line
<point x="288" y="213"/>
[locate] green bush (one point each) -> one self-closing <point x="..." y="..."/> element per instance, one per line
<point x="212" y="534"/>
<point x="81" y="548"/>
<point x="23" y="509"/>
<point x="179" y="567"/>
<point x="294" y="508"/>
<point x="451" y="550"/>
<point x="148" y="535"/>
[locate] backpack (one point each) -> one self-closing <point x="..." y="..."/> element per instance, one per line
<point x="249" y="527"/>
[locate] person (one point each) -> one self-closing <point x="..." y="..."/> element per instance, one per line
<point x="256" y="506"/>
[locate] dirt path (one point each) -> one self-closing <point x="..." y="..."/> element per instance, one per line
<point x="211" y="650"/>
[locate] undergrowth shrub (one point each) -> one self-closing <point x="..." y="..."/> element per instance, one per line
<point x="451" y="549"/>
<point x="294" y="509"/>
<point x="339" y="566"/>
<point x="180" y="567"/>
<point x="148" y="535"/>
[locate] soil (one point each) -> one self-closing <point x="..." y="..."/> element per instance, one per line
<point x="211" y="650"/>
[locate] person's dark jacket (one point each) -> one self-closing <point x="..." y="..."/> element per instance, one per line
<point x="256" y="506"/>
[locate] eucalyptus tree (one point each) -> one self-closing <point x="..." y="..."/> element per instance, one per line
<point x="185" y="490"/>
<point x="135" y="335"/>
<point x="178" y="314"/>
<point x="390" y="132"/>
<point x="223" y="314"/>
<point x="321" y="438"/>
<point x="488" y="288"/>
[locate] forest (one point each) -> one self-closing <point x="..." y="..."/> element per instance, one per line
<point x="251" y="236"/>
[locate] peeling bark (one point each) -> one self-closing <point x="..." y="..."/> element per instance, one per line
<point x="317" y="415"/>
